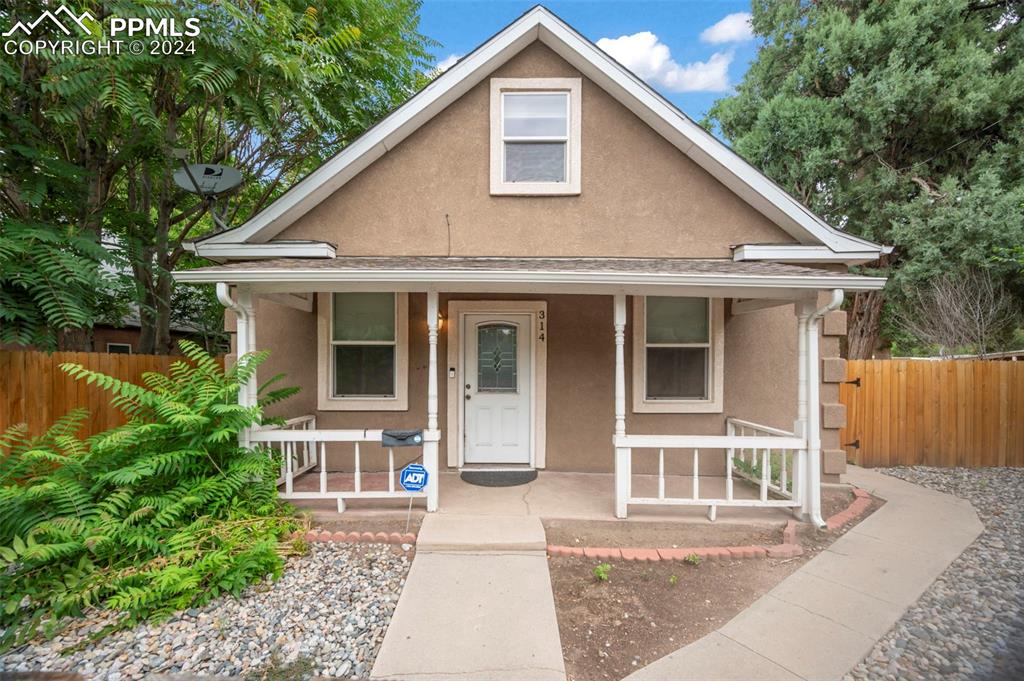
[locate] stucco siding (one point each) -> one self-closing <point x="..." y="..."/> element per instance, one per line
<point x="640" y="195"/>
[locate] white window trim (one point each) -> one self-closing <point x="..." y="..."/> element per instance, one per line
<point x="716" y="365"/>
<point x="571" y="187"/>
<point x="125" y="345"/>
<point x="328" y="402"/>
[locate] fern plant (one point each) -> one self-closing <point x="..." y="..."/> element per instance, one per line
<point x="162" y="513"/>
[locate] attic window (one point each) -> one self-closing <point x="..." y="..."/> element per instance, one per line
<point x="535" y="136"/>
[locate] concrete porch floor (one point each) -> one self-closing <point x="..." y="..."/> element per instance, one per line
<point x="585" y="496"/>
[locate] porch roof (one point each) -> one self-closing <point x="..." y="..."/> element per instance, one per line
<point x="584" y="275"/>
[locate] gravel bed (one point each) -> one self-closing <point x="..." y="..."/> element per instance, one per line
<point x="969" y="624"/>
<point x="326" y="615"/>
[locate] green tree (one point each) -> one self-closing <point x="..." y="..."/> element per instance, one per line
<point x="272" y="87"/>
<point x="49" y="277"/>
<point x="50" y="267"/>
<point x="900" y="121"/>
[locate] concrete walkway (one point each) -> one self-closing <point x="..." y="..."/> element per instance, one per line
<point x="825" y="617"/>
<point x="477" y="605"/>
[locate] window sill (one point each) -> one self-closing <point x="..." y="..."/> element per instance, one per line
<point x="360" y="404"/>
<point x="535" y="189"/>
<point x="677" y="407"/>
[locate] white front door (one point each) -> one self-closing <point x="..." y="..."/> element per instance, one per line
<point x="498" y="386"/>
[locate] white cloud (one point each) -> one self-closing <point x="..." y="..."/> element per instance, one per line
<point x="734" y="28"/>
<point x="447" y="62"/>
<point x="646" y="56"/>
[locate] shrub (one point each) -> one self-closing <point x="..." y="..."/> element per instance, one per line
<point x="163" y="513"/>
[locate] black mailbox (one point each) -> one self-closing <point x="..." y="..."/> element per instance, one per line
<point x="401" y="438"/>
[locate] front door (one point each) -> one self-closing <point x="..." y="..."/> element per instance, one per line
<point x="497" y="391"/>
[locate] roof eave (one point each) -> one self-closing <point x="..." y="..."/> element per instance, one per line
<point x="435" y="278"/>
<point x="797" y="254"/>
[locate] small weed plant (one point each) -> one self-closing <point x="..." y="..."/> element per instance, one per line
<point x="753" y="467"/>
<point x="692" y="559"/>
<point x="602" y="572"/>
<point x="163" y="513"/>
<point x="673" y="580"/>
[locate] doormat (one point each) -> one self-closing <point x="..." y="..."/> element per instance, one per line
<point x="499" y="478"/>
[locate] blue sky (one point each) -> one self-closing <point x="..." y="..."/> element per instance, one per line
<point x="691" y="51"/>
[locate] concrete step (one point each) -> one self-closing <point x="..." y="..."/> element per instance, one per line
<point x="445" y="532"/>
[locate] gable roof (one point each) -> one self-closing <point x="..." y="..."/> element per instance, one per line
<point x="540" y="24"/>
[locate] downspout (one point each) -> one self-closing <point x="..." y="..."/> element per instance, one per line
<point x="813" y="488"/>
<point x="241" y="347"/>
<point x="803" y="311"/>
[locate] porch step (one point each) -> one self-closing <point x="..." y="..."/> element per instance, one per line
<point x="445" y="532"/>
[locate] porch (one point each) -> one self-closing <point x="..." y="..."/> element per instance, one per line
<point x="576" y="496"/>
<point x="659" y="466"/>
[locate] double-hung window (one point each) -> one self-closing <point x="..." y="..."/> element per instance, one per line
<point x="535" y="136"/>
<point x="366" y="354"/>
<point x="677" y="355"/>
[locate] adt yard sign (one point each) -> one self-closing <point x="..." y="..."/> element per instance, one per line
<point x="413" y="478"/>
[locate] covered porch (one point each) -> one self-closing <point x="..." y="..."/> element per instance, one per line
<point x="552" y="495"/>
<point x="743" y="468"/>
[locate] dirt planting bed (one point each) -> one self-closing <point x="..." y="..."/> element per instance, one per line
<point x="646" y="610"/>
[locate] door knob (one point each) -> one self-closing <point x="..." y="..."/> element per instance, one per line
<point x="467" y="396"/>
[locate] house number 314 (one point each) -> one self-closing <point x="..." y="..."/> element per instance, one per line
<point x="542" y="325"/>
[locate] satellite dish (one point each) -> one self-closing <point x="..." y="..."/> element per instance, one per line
<point x="207" y="179"/>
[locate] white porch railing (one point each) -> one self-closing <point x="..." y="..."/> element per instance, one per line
<point x="305" y="455"/>
<point x="303" y="447"/>
<point x="773" y="469"/>
<point x="765" y="444"/>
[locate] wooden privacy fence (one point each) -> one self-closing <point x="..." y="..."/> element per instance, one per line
<point x="934" y="413"/>
<point x="35" y="390"/>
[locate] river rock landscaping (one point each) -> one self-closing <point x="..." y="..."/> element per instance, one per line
<point x="969" y="624"/>
<point x="326" y="615"/>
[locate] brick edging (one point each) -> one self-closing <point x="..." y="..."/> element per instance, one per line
<point x="356" y="537"/>
<point x="787" y="549"/>
<point x="861" y="502"/>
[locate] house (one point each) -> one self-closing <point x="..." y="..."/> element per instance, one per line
<point x="125" y="337"/>
<point x="544" y="265"/>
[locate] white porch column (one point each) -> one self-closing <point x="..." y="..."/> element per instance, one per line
<point x="623" y="468"/>
<point x="433" y="435"/>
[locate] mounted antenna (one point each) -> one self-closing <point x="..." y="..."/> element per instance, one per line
<point x="208" y="180"/>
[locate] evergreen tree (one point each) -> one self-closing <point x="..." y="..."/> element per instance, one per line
<point x="899" y="121"/>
